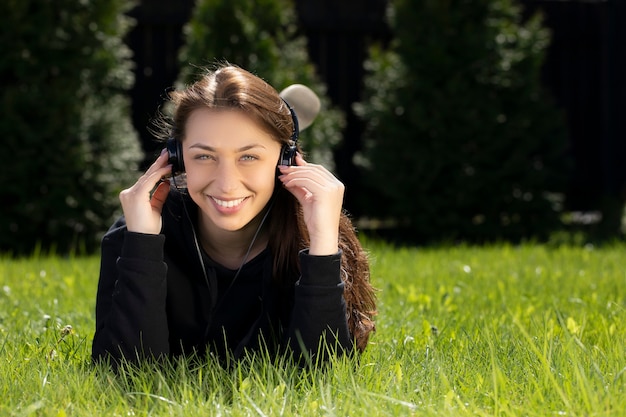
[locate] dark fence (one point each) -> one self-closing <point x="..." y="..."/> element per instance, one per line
<point x="584" y="70"/>
<point x="155" y="41"/>
<point x="339" y="34"/>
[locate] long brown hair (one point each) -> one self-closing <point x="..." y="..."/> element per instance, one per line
<point x="230" y="87"/>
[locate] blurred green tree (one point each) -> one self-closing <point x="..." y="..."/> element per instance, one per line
<point x="262" y="37"/>
<point x="69" y="145"/>
<point x="461" y="142"/>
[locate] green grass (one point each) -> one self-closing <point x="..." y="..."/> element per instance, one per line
<point x="503" y="331"/>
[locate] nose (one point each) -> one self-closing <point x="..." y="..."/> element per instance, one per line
<point x="227" y="177"/>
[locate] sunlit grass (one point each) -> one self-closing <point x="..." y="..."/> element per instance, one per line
<point x="503" y="330"/>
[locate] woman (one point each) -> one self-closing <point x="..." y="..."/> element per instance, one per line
<point x="248" y="255"/>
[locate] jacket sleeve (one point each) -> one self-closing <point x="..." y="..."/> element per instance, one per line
<point x="131" y="321"/>
<point x="319" y="324"/>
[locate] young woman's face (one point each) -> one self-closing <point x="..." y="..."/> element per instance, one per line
<point x="231" y="166"/>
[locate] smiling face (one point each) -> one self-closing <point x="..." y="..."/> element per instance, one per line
<point x="231" y="167"/>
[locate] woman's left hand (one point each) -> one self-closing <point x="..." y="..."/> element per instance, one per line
<point x="321" y="195"/>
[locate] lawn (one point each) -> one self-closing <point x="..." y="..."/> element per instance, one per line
<point x="504" y="330"/>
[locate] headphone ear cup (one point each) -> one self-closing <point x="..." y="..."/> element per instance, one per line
<point x="287" y="155"/>
<point x="288" y="152"/>
<point x="175" y="156"/>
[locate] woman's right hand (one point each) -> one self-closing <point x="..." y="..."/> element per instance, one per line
<point x="141" y="209"/>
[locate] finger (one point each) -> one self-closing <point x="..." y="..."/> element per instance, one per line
<point x="300" y="159"/>
<point x="306" y="167"/>
<point x="145" y="185"/>
<point x="161" y="166"/>
<point x="309" y="192"/>
<point x="160" y="159"/>
<point x="158" y="164"/>
<point x="319" y="177"/>
<point x="160" y="195"/>
<point x="147" y="182"/>
<point x="311" y="188"/>
<point x="291" y="181"/>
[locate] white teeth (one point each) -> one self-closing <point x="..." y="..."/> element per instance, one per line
<point x="228" y="204"/>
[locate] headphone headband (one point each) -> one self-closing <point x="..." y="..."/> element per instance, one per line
<point x="295" y="132"/>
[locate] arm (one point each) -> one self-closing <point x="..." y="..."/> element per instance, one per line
<point x="318" y="322"/>
<point x="131" y="322"/>
<point x="130" y="305"/>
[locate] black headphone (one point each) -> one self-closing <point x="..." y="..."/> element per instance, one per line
<point x="287" y="153"/>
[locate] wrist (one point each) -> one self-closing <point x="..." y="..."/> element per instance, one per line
<point x="324" y="246"/>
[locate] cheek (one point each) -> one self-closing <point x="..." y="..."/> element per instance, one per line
<point x="264" y="179"/>
<point x="193" y="178"/>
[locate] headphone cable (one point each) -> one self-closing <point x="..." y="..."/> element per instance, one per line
<point x="199" y="251"/>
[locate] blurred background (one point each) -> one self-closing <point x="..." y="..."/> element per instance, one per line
<point x="449" y="121"/>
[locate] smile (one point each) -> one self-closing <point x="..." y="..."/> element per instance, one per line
<point x="229" y="203"/>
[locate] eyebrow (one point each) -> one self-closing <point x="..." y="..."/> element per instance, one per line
<point x="212" y="149"/>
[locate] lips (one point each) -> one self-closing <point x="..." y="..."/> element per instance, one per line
<point x="228" y="203"/>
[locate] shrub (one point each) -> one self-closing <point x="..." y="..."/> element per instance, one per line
<point x="461" y="142"/>
<point x="69" y="145"/>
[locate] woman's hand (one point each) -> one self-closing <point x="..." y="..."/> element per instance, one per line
<point x="321" y="195"/>
<point x="142" y="210"/>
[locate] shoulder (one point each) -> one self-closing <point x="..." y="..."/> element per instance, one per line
<point x="116" y="231"/>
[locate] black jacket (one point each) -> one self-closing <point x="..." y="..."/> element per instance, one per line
<point x="154" y="300"/>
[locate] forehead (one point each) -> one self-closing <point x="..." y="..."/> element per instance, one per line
<point x="224" y="125"/>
